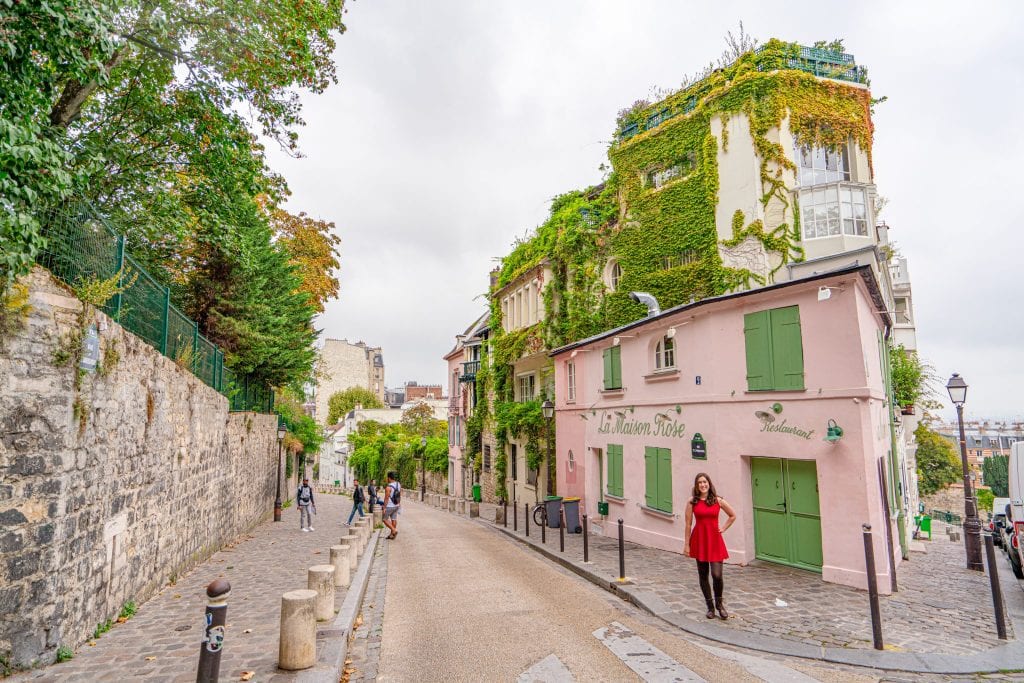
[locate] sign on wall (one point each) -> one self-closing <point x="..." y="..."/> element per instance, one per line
<point x="699" y="447"/>
<point x="90" y="350"/>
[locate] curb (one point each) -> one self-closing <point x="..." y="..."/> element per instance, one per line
<point x="1008" y="657"/>
<point x="332" y="639"/>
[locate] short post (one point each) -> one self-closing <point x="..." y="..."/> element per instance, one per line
<point x="353" y="554"/>
<point x="997" y="591"/>
<point x="622" y="552"/>
<point x="321" y="579"/>
<point x="586" y="539"/>
<point x="544" y="528"/>
<point x="515" y="517"/>
<point x="504" y="513"/>
<point x="869" y="561"/>
<point x="561" y="530"/>
<point x="339" y="558"/>
<point x="526" y="518"/>
<point x="297" y="647"/>
<point x="213" y="637"/>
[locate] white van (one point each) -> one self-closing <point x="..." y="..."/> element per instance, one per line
<point x="1015" y="548"/>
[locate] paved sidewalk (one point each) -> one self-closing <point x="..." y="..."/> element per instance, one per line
<point x="364" y="646"/>
<point x="941" y="608"/>
<point x="161" y="642"/>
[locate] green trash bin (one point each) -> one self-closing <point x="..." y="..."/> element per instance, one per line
<point x="553" y="507"/>
<point x="477" y="496"/>
<point x="926" y="526"/>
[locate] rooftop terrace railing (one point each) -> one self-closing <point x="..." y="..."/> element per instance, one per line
<point x="82" y="245"/>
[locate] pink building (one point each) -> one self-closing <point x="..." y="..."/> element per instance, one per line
<point x="743" y="387"/>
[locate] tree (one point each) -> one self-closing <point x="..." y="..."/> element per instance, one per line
<point x="341" y="402"/>
<point x="938" y="465"/>
<point x="417" y="419"/>
<point x="311" y="245"/>
<point x="995" y="473"/>
<point x="304" y="435"/>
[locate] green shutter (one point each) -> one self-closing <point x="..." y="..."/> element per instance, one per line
<point x="651" y="476"/>
<point x="787" y="348"/>
<point x="617" y="367"/>
<point x="607" y="353"/>
<point x="664" y="480"/>
<point x="615" y="470"/>
<point x="756" y="333"/>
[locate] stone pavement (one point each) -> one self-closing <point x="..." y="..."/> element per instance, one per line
<point x="364" y="646"/>
<point x="161" y="642"/>
<point x="940" y="608"/>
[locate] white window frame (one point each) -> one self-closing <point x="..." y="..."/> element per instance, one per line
<point x="613" y="275"/>
<point x="832" y="211"/>
<point x="825" y="165"/>
<point x="665" y="354"/>
<point x="570" y="381"/>
<point x="527" y="378"/>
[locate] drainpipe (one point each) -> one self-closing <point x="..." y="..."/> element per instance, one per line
<point x="901" y="518"/>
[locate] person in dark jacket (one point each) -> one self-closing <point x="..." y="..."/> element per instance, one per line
<point x="357" y="502"/>
<point x="371" y="491"/>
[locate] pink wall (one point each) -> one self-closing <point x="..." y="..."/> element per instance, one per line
<point x="842" y="381"/>
<point x="456" y="395"/>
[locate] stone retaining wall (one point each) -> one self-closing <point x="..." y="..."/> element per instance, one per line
<point x="111" y="489"/>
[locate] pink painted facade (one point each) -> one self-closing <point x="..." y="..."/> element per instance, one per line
<point x="456" y="421"/>
<point x="706" y="392"/>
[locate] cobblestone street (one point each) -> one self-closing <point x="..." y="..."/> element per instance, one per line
<point x="928" y="614"/>
<point x="161" y="642"/>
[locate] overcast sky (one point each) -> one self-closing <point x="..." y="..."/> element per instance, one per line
<point x="455" y="123"/>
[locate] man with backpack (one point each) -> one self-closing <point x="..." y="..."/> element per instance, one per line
<point x="357" y="502"/>
<point x="304" y="500"/>
<point x="371" y="491"/>
<point x="392" y="504"/>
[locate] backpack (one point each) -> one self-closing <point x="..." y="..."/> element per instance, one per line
<point x="305" y="495"/>
<point x="396" y="492"/>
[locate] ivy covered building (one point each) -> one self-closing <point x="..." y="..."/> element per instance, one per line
<point x="758" y="174"/>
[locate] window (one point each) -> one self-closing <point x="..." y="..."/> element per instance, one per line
<point x="818" y="165"/>
<point x="614" y="458"/>
<point x="570" y="381"/>
<point x="775" y="355"/>
<point x="834" y="210"/>
<point x="613" y="368"/>
<point x="527" y="384"/>
<point x="665" y="354"/>
<point x="515" y="463"/>
<point x="902" y="311"/>
<point x="612" y="275"/>
<point x="659" y="177"/>
<point x="531" y="477"/>
<point x="683" y="258"/>
<point x="487" y="458"/>
<point x="658" y="469"/>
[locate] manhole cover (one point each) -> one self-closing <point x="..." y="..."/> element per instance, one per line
<point x="184" y="628"/>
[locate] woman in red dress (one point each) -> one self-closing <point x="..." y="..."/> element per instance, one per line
<point x="705" y="544"/>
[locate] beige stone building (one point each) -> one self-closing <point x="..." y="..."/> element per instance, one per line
<point x="341" y="365"/>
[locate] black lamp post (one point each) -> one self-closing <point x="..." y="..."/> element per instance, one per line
<point x="423" y="468"/>
<point x="548" y="409"/>
<point x="957" y="388"/>
<point x="281" y="431"/>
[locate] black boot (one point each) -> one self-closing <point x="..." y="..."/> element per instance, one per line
<point x="721" y="609"/>
<point x="711" y="609"/>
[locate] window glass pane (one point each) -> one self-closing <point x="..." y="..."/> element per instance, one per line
<point x="848" y="227"/>
<point x="820" y="177"/>
<point x="862" y="228"/>
<point x="819" y="158"/>
<point x="832" y="194"/>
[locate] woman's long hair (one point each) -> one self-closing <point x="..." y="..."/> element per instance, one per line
<point x="712" y="496"/>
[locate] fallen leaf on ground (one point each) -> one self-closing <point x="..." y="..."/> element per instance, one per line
<point x="150" y="658"/>
<point x="248" y="630"/>
<point x="247" y="675"/>
<point x="177" y="595"/>
<point x="121" y="620"/>
<point x="92" y="643"/>
<point x="359" y="621"/>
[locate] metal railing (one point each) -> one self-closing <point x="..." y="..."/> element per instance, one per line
<point x="469" y="371"/>
<point x="81" y="245"/>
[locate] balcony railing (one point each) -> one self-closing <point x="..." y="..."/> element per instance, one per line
<point x="455" y="406"/>
<point x="469" y="371"/>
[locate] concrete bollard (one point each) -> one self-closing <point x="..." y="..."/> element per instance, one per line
<point x="460" y="506"/>
<point x="474" y="509"/>
<point x="339" y="559"/>
<point x="363" y="528"/>
<point x="378" y="517"/>
<point x="297" y="647"/>
<point x="352" y="542"/>
<point x="499" y="515"/>
<point x="321" y="579"/>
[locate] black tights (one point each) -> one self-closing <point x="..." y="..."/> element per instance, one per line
<point x="715" y="569"/>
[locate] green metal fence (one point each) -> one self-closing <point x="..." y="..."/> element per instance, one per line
<point x="82" y="245"/>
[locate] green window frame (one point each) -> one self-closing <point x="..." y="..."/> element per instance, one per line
<point x="612" y="368"/>
<point x="613" y="455"/>
<point x="775" y="352"/>
<point x="658" y="475"/>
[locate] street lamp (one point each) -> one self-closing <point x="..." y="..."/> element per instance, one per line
<point x="957" y="388"/>
<point x="548" y="408"/>
<point x="423" y="468"/>
<point x="281" y="431"/>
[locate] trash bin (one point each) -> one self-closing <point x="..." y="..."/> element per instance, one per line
<point x="926" y="526"/>
<point x="553" y="507"/>
<point x="572" y="515"/>
<point x="477" y="497"/>
<point x="337" y="482"/>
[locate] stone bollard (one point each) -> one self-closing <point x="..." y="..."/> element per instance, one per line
<point x="339" y="559"/>
<point x="435" y="500"/>
<point x="364" y="531"/>
<point x="499" y="515"/>
<point x="452" y="504"/>
<point x="474" y="509"/>
<point x="321" y="579"/>
<point x="297" y="647"/>
<point x="378" y="517"/>
<point x="352" y="542"/>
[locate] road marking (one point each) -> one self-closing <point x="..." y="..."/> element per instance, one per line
<point x="548" y="670"/>
<point x="765" y="669"/>
<point x="646" y="661"/>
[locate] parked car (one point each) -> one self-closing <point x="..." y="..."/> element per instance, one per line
<point x="998" y="520"/>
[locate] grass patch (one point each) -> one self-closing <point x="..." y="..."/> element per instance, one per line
<point x="128" y="610"/>
<point x="101" y="629"/>
<point x="64" y="653"/>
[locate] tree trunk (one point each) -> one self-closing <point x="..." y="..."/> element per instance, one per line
<point x="75" y="94"/>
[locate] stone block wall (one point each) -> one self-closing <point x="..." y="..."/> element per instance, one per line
<point x="110" y="489"/>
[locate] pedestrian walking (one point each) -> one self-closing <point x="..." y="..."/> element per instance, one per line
<point x="371" y="493"/>
<point x="392" y="503"/>
<point x="705" y="543"/>
<point x="306" y="504"/>
<point x="357" y="502"/>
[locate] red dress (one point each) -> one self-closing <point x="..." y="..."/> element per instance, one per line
<point x="706" y="543"/>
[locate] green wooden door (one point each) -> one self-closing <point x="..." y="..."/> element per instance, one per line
<point x="787" y="513"/>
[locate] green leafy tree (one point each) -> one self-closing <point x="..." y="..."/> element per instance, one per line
<point x="301" y="427"/>
<point x="418" y="419"/>
<point x="908" y="375"/>
<point x="341" y="402"/>
<point x="995" y="472"/>
<point x="938" y="465"/>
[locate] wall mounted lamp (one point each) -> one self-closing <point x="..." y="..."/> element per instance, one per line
<point x="834" y="432"/>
